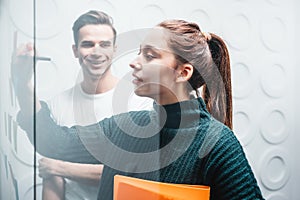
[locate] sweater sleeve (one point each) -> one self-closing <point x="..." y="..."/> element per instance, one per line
<point x="231" y="175"/>
<point x="69" y="144"/>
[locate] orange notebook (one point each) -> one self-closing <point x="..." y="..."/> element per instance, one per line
<point x="128" y="188"/>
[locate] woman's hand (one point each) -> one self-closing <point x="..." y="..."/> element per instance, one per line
<point x="22" y="64"/>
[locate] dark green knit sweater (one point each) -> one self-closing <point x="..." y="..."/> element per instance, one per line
<point x="177" y="143"/>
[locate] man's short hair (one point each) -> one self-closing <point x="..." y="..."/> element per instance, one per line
<point x="92" y="17"/>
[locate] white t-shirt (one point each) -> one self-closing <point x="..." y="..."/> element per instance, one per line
<point x="75" y="107"/>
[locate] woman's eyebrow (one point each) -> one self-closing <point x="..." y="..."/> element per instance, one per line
<point x="150" y="47"/>
<point x="147" y="46"/>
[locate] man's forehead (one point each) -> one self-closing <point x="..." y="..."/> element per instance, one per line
<point x="96" y="32"/>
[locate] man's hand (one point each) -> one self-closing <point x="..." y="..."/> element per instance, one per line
<point x="49" y="167"/>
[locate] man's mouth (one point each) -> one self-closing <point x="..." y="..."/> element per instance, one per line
<point x="96" y="62"/>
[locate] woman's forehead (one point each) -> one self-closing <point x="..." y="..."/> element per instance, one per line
<point x="157" y="38"/>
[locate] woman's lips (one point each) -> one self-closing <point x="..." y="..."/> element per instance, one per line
<point x="136" y="79"/>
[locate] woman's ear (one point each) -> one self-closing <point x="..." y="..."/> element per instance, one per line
<point x="185" y="72"/>
<point x="75" y="53"/>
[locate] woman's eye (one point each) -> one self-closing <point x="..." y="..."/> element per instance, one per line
<point x="149" y="56"/>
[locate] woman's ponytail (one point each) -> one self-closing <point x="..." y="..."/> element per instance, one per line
<point x="218" y="93"/>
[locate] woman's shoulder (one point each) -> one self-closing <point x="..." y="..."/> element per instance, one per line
<point x="217" y="136"/>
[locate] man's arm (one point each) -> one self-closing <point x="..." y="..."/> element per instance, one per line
<point x="53" y="188"/>
<point x="84" y="173"/>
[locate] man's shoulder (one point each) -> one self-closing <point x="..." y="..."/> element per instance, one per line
<point x="61" y="102"/>
<point x="65" y="94"/>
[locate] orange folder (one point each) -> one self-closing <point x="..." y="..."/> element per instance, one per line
<point x="128" y="188"/>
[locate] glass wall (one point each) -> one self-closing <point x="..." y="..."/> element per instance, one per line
<point x="16" y="152"/>
<point x="262" y="40"/>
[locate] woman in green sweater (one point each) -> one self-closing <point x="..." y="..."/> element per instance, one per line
<point x="184" y="139"/>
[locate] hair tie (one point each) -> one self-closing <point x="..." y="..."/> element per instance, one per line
<point x="207" y="36"/>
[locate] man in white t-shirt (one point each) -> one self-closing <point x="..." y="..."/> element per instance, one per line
<point x="85" y="103"/>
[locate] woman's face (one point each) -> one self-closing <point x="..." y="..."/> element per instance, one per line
<point x="154" y="69"/>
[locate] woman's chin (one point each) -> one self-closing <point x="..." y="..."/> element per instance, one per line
<point x="140" y="92"/>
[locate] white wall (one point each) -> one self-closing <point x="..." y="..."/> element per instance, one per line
<point x="262" y="36"/>
<point x="296" y="157"/>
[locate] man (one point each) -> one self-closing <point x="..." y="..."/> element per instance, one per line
<point x="85" y="103"/>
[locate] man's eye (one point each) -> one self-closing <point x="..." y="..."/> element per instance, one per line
<point x="87" y="45"/>
<point x="105" y="44"/>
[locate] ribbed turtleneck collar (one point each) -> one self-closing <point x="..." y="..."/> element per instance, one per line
<point x="181" y="114"/>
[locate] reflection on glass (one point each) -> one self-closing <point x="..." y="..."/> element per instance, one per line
<point x="17" y="20"/>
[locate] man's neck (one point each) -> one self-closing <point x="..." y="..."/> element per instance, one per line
<point x="99" y="85"/>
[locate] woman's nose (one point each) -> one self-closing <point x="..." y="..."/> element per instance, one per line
<point x="135" y="65"/>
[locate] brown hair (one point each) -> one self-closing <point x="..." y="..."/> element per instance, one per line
<point x="209" y="56"/>
<point x="92" y="17"/>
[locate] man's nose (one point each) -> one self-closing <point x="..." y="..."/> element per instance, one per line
<point x="97" y="49"/>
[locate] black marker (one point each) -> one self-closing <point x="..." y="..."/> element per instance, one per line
<point x="42" y="58"/>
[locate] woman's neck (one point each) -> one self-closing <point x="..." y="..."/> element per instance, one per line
<point x="170" y="98"/>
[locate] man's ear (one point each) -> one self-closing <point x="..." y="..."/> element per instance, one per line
<point x="75" y="52"/>
<point x="185" y="72"/>
<point x="115" y="50"/>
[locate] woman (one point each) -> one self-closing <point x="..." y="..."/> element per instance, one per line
<point x="179" y="141"/>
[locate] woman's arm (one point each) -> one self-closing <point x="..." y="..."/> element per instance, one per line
<point x="231" y="174"/>
<point x="70" y="144"/>
<point x="48" y="138"/>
